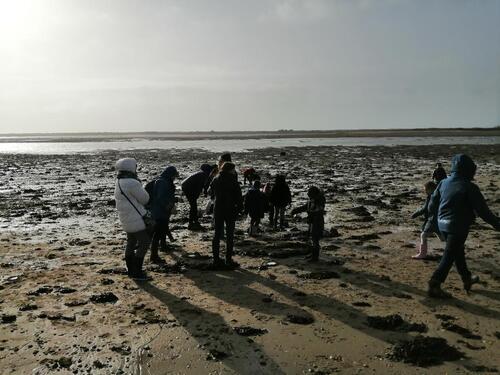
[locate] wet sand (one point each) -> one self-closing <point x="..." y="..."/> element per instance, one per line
<point x="67" y="306"/>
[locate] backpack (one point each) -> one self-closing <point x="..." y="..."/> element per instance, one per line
<point x="150" y="186"/>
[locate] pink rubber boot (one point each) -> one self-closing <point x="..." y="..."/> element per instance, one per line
<point x="422" y="252"/>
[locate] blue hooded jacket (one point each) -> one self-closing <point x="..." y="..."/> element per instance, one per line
<point x="164" y="194"/>
<point x="457" y="200"/>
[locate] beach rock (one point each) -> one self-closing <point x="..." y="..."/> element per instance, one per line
<point x="320" y="275"/>
<point x="249" y="331"/>
<point x="65" y="362"/>
<point x="394" y="323"/>
<point x="464" y="332"/>
<point x="106" y="297"/>
<point x="8" y="318"/>
<point x="42" y="290"/>
<point x="216" y="355"/>
<point x="28" y="307"/>
<point x="75" y="303"/>
<point x="424" y="351"/>
<point x="300" y="318"/>
<point x="361" y="304"/>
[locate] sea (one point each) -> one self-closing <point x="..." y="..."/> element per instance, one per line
<point x="47" y="146"/>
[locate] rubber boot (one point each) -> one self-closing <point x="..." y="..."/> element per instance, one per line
<point x="469" y="282"/>
<point x="435" y="290"/>
<point x="130" y="262"/>
<point x="422" y="252"/>
<point x="140" y="275"/>
<point x="154" y="258"/>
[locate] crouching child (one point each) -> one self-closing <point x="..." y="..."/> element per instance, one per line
<point x="315" y="208"/>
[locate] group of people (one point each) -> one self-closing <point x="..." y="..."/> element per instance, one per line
<point x="145" y="212"/>
<point x="449" y="210"/>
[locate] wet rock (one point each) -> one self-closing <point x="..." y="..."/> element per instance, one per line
<point x="464" y="332"/>
<point x="8" y="318"/>
<point x="480" y="368"/>
<point x="216" y="355"/>
<point x="107" y="281"/>
<point x="98" y="364"/>
<point x="121" y="349"/>
<point x="75" y="303"/>
<point x="28" y="307"/>
<point x="106" y="297"/>
<point x="113" y="271"/>
<point x="65" y="290"/>
<point x="401" y="295"/>
<point x="300" y="318"/>
<point x="249" y="331"/>
<point x="394" y="323"/>
<point x="320" y="275"/>
<point x="445" y="317"/>
<point x="42" y="290"/>
<point x="79" y="242"/>
<point x="424" y="351"/>
<point x="65" y="362"/>
<point x="361" y="304"/>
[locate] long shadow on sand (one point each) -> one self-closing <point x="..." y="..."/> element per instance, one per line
<point x="249" y="359"/>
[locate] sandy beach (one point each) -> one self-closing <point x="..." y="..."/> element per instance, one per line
<point x="67" y="305"/>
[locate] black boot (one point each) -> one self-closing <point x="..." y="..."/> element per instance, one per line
<point x="130" y="262"/>
<point x="435" y="290"/>
<point x="471" y="280"/>
<point x="140" y="274"/>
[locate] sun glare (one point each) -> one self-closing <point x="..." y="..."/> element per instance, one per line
<point x="20" y="20"/>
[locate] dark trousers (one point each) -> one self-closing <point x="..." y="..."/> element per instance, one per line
<point x="137" y="244"/>
<point x="454" y="252"/>
<point x="162" y="230"/>
<point x="219" y="223"/>
<point x="193" y="210"/>
<point x="279" y="213"/>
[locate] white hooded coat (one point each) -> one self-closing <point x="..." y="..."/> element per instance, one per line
<point x="130" y="219"/>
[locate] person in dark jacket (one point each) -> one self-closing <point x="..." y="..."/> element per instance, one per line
<point x="315" y="208"/>
<point x="192" y="187"/>
<point x="269" y="207"/>
<point x="439" y="173"/>
<point x="255" y="206"/>
<point x="250" y="175"/>
<point x="280" y="198"/>
<point x="228" y="203"/>
<point x="455" y="201"/>
<point x="429" y="226"/>
<point x="162" y="204"/>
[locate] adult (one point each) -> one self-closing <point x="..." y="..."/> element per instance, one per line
<point x="228" y="203"/>
<point x="162" y="204"/>
<point x="192" y="187"/>
<point x="130" y="198"/>
<point x="455" y="202"/>
<point x="280" y="198"/>
<point x="439" y="173"/>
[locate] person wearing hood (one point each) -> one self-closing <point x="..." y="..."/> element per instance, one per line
<point x="255" y="206"/>
<point x="162" y="204"/>
<point x="130" y="198"/>
<point x="280" y="198"/>
<point x="456" y="201"/>
<point x="228" y="203"/>
<point x="192" y="188"/>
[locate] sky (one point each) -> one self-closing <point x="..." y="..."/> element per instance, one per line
<point x="151" y="65"/>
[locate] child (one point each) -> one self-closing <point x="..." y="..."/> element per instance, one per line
<point x="192" y="187"/>
<point x="162" y="204"/>
<point x="315" y="208"/>
<point x="255" y="202"/>
<point x="280" y="199"/>
<point x="430" y="224"/>
<point x="268" y="206"/>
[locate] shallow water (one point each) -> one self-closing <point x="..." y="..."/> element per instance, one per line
<point x="233" y="145"/>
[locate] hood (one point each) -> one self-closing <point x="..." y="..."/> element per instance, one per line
<point x="463" y="165"/>
<point x="207" y="168"/>
<point x="170" y="172"/>
<point x="126" y="165"/>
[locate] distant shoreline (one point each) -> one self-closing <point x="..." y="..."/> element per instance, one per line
<point x="94" y="137"/>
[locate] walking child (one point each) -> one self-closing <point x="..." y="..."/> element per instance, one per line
<point x="430" y="222"/>
<point x="315" y="208"/>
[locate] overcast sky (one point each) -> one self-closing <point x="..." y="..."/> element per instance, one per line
<point x="82" y="65"/>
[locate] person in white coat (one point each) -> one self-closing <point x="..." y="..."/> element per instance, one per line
<point x="130" y="198"/>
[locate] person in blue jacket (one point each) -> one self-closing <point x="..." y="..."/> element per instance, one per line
<point x="162" y="203"/>
<point x="456" y="201"/>
<point x="192" y="188"/>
